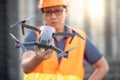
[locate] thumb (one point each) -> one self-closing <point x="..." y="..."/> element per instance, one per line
<point x="52" y="41"/>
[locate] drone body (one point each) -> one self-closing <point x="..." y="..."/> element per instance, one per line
<point x="46" y="34"/>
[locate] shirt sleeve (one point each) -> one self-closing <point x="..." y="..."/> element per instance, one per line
<point x="92" y="54"/>
<point x="30" y="37"/>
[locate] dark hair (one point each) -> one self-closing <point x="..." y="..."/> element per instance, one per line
<point x="42" y="10"/>
<point x="64" y="6"/>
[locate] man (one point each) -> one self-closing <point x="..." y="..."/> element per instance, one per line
<point x="40" y="64"/>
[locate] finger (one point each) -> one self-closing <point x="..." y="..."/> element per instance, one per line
<point x="52" y="41"/>
<point x="36" y="48"/>
<point x="47" y="56"/>
<point x="39" y="51"/>
<point x="42" y="49"/>
<point x="49" y="51"/>
<point x="42" y="52"/>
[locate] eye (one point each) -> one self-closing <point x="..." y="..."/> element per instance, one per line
<point x="48" y="12"/>
<point x="60" y="10"/>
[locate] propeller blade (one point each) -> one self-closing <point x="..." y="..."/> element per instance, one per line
<point x="16" y="24"/>
<point x="30" y="18"/>
<point x="20" y="22"/>
<point x="70" y="49"/>
<point x="22" y="46"/>
<point x="31" y="27"/>
<point x="14" y="37"/>
<point x="62" y="54"/>
<point x="63" y="34"/>
<point x="18" y="43"/>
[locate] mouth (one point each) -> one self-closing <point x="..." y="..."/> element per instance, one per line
<point x="55" y="22"/>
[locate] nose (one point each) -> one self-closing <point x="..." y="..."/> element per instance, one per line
<point x="53" y="15"/>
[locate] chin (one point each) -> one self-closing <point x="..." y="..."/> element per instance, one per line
<point x="54" y="25"/>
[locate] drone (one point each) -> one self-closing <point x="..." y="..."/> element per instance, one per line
<point x="46" y="33"/>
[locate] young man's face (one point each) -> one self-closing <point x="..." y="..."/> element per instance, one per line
<point x="54" y="16"/>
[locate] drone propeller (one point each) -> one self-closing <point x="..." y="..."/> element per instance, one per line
<point x="62" y="54"/>
<point x="59" y="51"/>
<point x="20" y="22"/>
<point x="70" y="49"/>
<point x="65" y="53"/>
<point x="18" y="43"/>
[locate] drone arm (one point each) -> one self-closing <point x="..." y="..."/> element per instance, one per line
<point x="23" y="32"/>
<point x="31" y="27"/>
<point x="29" y="43"/>
<point x="76" y="33"/>
<point x="55" y="48"/>
<point x="60" y="52"/>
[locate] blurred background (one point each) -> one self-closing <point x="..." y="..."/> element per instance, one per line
<point x="99" y="18"/>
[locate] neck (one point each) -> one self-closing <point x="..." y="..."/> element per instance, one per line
<point x="60" y="28"/>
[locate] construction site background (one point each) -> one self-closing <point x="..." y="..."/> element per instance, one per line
<point x="99" y="18"/>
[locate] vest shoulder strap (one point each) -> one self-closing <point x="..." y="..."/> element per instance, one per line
<point x="80" y="33"/>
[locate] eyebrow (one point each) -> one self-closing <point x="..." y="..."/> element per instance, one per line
<point x="42" y="9"/>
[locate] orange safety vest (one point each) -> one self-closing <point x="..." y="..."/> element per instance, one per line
<point x="71" y="68"/>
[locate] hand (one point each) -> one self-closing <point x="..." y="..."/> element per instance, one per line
<point x="42" y="53"/>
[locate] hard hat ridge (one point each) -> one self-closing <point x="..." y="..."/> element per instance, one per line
<point x="51" y="3"/>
